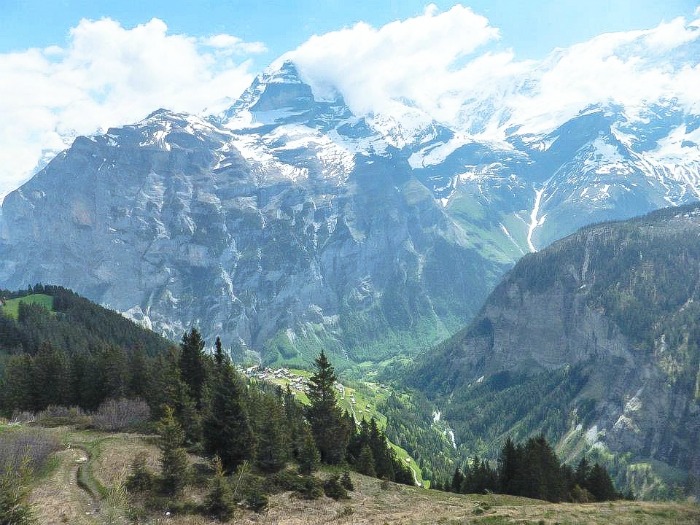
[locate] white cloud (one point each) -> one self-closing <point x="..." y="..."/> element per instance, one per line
<point x="108" y="75"/>
<point x="404" y="59"/>
<point x="632" y="69"/>
<point x="233" y="45"/>
<point x="444" y="64"/>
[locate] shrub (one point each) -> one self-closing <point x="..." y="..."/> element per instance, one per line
<point x="140" y="478"/>
<point x="58" y="416"/>
<point x="581" y="495"/>
<point x="284" y="480"/>
<point x="311" y="488"/>
<point x="23" y="417"/>
<point x="35" y="447"/>
<point x="250" y="488"/>
<point x="121" y="414"/>
<point x="346" y="481"/>
<point x="14" y="495"/>
<point x="334" y="489"/>
<point x="257" y="500"/>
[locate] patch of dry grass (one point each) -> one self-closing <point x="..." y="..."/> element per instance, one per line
<point x="373" y="502"/>
<point x="115" y="454"/>
<point x="58" y="499"/>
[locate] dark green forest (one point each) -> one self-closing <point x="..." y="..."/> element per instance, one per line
<point x="533" y="470"/>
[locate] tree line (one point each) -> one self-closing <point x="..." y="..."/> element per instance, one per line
<point x="533" y="470"/>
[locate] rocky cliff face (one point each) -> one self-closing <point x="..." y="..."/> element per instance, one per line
<point x="273" y="235"/>
<point x="287" y="223"/>
<point x="608" y="316"/>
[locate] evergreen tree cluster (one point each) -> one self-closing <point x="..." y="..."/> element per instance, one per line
<point x="370" y="453"/>
<point x="78" y="354"/>
<point x="254" y="432"/>
<point x="339" y="439"/>
<point x="533" y="470"/>
<point x="75" y="324"/>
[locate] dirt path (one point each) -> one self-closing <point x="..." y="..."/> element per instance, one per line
<point x="59" y="499"/>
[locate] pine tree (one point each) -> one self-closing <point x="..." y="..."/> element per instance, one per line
<point x="508" y="467"/>
<point x="86" y="383"/>
<point x="358" y="439"/>
<point x="52" y="377"/>
<point x="17" y="389"/>
<point x="600" y="485"/>
<point x="219" y="502"/>
<point x="309" y="457"/>
<point x="173" y="458"/>
<point x="113" y="366"/>
<point x="542" y="473"/>
<point x="273" y="444"/>
<point x="165" y="386"/>
<point x="365" y="463"/>
<point x="582" y="473"/>
<point x="139" y="373"/>
<point x="192" y="365"/>
<point x="346" y="481"/>
<point x="329" y="427"/>
<point x="383" y="455"/>
<point x="219" y="353"/>
<point x="226" y="428"/>
<point x="140" y="479"/>
<point x="295" y="424"/>
<point x="457" y="480"/>
<point x="188" y="416"/>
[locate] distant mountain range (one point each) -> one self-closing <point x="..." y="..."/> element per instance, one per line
<point x="288" y="224"/>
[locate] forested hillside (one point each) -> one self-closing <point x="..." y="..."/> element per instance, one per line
<point x="57" y="348"/>
<point x="594" y="341"/>
<point x="69" y="362"/>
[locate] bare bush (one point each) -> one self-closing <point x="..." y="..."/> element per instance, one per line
<point x="33" y="446"/>
<point x="121" y="414"/>
<point x="54" y="416"/>
<point x="23" y="417"/>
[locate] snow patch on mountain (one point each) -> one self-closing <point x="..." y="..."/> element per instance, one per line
<point x="436" y="153"/>
<point x="535" y="220"/>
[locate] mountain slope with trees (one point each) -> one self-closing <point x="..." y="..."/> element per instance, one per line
<point x="595" y="342"/>
<point x="61" y="374"/>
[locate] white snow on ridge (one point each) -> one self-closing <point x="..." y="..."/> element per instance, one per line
<point x="437" y="153"/>
<point x="401" y="125"/>
<point x="158" y="138"/>
<point x="678" y="147"/>
<point x="510" y="237"/>
<point x="246" y="119"/>
<point x="534" y="221"/>
<point x="359" y="146"/>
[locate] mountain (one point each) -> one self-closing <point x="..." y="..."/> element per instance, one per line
<point x="287" y="223"/>
<point x="594" y="341"/>
<point x="274" y="232"/>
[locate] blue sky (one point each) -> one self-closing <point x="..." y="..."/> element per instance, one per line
<point x="530" y="27"/>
